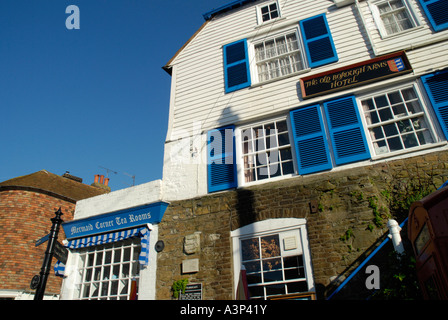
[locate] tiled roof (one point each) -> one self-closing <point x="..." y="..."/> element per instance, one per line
<point x="52" y="183"/>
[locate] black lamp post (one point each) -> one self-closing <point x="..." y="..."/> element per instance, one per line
<point x="46" y="265"/>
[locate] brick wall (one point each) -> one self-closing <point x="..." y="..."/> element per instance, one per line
<point x="24" y="218"/>
<point x="355" y="202"/>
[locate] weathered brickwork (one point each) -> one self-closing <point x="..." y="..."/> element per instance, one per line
<point x="346" y="213"/>
<point x="24" y="218"/>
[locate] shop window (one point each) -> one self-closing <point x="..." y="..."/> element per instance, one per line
<point x="109" y="271"/>
<point x="266" y="151"/>
<point x="396" y="121"/>
<point x="277" y="261"/>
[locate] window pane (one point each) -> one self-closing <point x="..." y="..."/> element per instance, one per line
<point x="404" y="126"/>
<point x="272" y="264"/>
<point x="275" y="289"/>
<point x="256" y="292"/>
<point x="395" y="97"/>
<point x="410" y="140"/>
<point x="250" y="249"/>
<point x="385" y="114"/>
<point x="272" y="276"/>
<point x="285" y="154"/>
<point x="376" y="133"/>
<point x="380" y="147"/>
<point x="287" y="168"/>
<point x="270" y="246"/>
<point x="390" y="130"/>
<point x="394" y="144"/>
<point x="296" y="287"/>
<point x="283" y="139"/>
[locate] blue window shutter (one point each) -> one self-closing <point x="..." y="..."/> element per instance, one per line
<point x="346" y="131"/>
<point x="236" y="66"/>
<point x="437" y="13"/>
<point x="436" y="85"/>
<point x="221" y="164"/>
<point x="310" y="140"/>
<point x="318" y="41"/>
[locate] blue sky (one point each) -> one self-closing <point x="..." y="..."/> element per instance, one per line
<point x="79" y="100"/>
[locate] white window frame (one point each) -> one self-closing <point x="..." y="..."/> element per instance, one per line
<point x="379" y="21"/>
<point x="426" y="113"/>
<point x="242" y="132"/>
<point x="287" y="228"/>
<point x="254" y="63"/>
<point x="96" y="271"/>
<point x="260" y="13"/>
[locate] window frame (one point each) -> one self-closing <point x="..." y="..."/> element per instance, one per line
<point x="281" y="226"/>
<point x="373" y="4"/>
<point x="80" y="282"/>
<point x="263" y="40"/>
<point x="239" y="136"/>
<point x="260" y="13"/>
<point x="426" y="113"/>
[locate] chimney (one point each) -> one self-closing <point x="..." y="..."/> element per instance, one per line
<point x="71" y="177"/>
<point x="103" y="183"/>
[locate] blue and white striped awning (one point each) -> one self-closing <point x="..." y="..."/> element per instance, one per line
<point x="96" y="240"/>
<point x="142" y="232"/>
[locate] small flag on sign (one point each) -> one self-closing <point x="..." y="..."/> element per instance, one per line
<point x="396" y="65"/>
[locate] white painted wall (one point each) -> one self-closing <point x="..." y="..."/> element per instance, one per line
<point x="121" y="199"/>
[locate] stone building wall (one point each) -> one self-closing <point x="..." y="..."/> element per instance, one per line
<point x="346" y="213"/>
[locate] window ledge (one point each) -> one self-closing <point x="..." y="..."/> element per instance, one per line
<point x="258" y="182"/>
<point x="259" y="84"/>
<point x="268" y="23"/>
<point x="409" y="151"/>
<point x="401" y="33"/>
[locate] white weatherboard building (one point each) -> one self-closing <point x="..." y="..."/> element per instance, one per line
<point x="268" y="91"/>
<point x="243" y="73"/>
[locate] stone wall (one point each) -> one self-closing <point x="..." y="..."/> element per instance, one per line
<point x="346" y="213"/>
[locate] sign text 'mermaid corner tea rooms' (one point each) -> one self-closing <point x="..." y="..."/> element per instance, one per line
<point x="355" y="75"/>
<point x="123" y="219"/>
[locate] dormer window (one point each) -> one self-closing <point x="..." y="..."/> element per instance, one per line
<point x="268" y="12"/>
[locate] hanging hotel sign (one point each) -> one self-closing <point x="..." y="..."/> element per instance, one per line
<point x="123" y="219"/>
<point x="354" y="75"/>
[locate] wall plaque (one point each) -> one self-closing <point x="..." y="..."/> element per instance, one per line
<point x="377" y="69"/>
<point x="192" y="292"/>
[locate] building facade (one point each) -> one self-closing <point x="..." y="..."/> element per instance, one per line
<point x="291" y="125"/>
<point x="27" y="204"/>
<point x="296" y="130"/>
